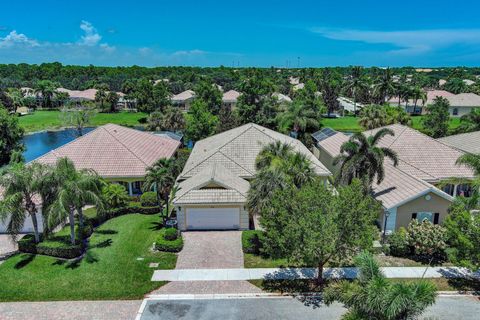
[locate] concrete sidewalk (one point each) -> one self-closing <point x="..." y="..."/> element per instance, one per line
<point x="304" y="273"/>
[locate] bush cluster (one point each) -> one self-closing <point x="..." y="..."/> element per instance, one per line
<point x="55" y="249"/>
<point x="252" y="241"/>
<point x="164" y="244"/>
<point x="149" y="199"/>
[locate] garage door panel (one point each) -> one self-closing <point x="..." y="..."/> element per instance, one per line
<point x="213" y="218"/>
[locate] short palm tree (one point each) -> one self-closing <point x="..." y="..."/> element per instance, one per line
<point x="298" y="118"/>
<point x="161" y="177"/>
<point x="22" y="188"/>
<point x="470" y="121"/>
<point x="373" y="296"/>
<point x="75" y="189"/>
<point x="272" y="155"/>
<point x="47" y="89"/>
<point x="361" y="157"/>
<point x="173" y="119"/>
<point x="300" y="169"/>
<point x="373" y="116"/>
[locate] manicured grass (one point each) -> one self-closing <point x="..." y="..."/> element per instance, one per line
<point x="350" y="123"/>
<point x="257" y="261"/>
<point x="109" y="270"/>
<point x="43" y="120"/>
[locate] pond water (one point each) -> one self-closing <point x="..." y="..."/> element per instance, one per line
<point x="37" y="144"/>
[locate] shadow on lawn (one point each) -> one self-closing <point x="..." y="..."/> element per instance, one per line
<point x="156" y="226"/>
<point x="108" y="231"/>
<point x="26" y="259"/>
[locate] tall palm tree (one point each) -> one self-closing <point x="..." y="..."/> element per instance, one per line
<point x="161" y="177"/>
<point x="384" y="86"/>
<point x="22" y="186"/>
<point x="417" y="93"/>
<point x="298" y="118"/>
<point x="355" y="83"/>
<point x="101" y="94"/>
<point x="373" y="296"/>
<point x="272" y="155"/>
<point x="75" y="189"/>
<point x="47" y="89"/>
<point x="373" y="116"/>
<point x="361" y="157"/>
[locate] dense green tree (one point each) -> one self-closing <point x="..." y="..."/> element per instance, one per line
<point x="255" y="103"/>
<point x="101" y="95"/>
<point x="161" y="96"/>
<point x="436" y="120"/>
<point x="200" y="123"/>
<point x="469" y="122"/>
<point x="226" y="119"/>
<point x="17" y="98"/>
<point x="112" y="100"/>
<point x="361" y="157"/>
<point x="143" y="93"/>
<point x="397" y="115"/>
<point x="373" y="296"/>
<point x="455" y="85"/>
<point x="210" y="94"/>
<point x="173" y="120"/>
<point x="155" y="121"/>
<point x="343" y="220"/>
<point x="354" y="84"/>
<point x="11" y="135"/>
<point x="384" y="86"/>
<point x="330" y="85"/>
<point x="299" y="119"/>
<point x="373" y="116"/>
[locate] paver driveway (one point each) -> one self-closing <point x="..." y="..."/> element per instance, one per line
<point x="211" y="250"/>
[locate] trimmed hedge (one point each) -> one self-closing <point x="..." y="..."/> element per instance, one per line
<point x="149" y="199"/>
<point x="162" y="244"/>
<point x="252" y="241"/>
<point x="171" y="234"/>
<point x="50" y="248"/>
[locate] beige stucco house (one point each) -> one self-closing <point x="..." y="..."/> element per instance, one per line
<point x="215" y="181"/>
<point x="411" y="189"/>
<point x="183" y="100"/>
<point x="230" y="98"/>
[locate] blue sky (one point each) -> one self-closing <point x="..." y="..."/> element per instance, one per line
<point x="245" y="33"/>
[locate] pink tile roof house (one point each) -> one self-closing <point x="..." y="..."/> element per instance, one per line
<point x="114" y="151"/>
<point x="423" y="161"/>
<point x="231" y="96"/>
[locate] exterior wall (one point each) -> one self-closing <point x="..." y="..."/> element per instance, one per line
<point x="460" y="111"/>
<point x="435" y="204"/>
<point x="183" y="209"/>
<point x="28" y="225"/>
<point x="325" y="158"/>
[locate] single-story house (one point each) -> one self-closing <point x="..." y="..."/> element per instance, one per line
<point x="28" y="225"/>
<point x="116" y="153"/>
<point x="466" y="142"/>
<point x="409" y="190"/>
<point x="230" y="99"/>
<point x="215" y="180"/>
<point x="183" y="100"/>
<point x="460" y="104"/>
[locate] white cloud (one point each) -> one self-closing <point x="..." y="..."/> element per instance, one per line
<point x="91" y="36"/>
<point x="407" y="41"/>
<point x="193" y="52"/>
<point x="14" y="38"/>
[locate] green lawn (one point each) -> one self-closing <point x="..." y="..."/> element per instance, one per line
<point x="109" y="270"/>
<point x="43" y="120"/>
<point x="350" y="124"/>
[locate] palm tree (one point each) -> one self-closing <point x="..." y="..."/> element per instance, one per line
<point x="272" y="155"/>
<point x="373" y="296"/>
<point x="47" y="89"/>
<point x="417" y="93"/>
<point x="300" y="169"/>
<point x="76" y="188"/>
<point x="17" y="98"/>
<point x="101" y="94"/>
<point x="173" y="120"/>
<point x="298" y="118"/>
<point x="373" y="116"/>
<point x="22" y="185"/>
<point x="384" y="86"/>
<point x="355" y="83"/>
<point x="470" y="122"/>
<point x="161" y="177"/>
<point x="361" y="157"/>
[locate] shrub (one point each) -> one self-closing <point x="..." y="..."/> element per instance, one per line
<point x="426" y="238"/>
<point x="115" y="195"/>
<point x="398" y="243"/>
<point x="252" y="241"/>
<point x="149" y="199"/>
<point x="162" y="244"/>
<point x="50" y="248"/>
<point x="170" y="234"/>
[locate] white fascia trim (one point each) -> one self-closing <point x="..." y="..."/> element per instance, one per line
<point x="432" y="189"/>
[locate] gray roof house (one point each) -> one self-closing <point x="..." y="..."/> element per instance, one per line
<point x="468" y="142"/>
<point x="214" y="183"/>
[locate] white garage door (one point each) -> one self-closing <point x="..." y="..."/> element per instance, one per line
<point x="213" y="218"/>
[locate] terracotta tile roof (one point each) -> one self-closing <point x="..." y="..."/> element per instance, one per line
<point x="231" y="96"/>
<point x="467" y="142"/>
<point x="237" y="149"/>
<point x="115" y="151"/>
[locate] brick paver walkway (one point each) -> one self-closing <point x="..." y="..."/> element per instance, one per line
<point x="78" y="310"/>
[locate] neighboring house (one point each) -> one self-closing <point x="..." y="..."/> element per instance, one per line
<point x="298" y="86"/>
<point x="79" y="95"/>
<point x="347" y="104"/>
<point x="442" y="82"/>
<point x="183" y="100"/>
<point x="468" y="82"/>
<point x="460" y="104"/>
<point x="28" y="225"/>
<point x="409" y="190"/>
<point x="215" y="180"/>
<point x="467" y="142"/>
<point x="116" y="153"/>
<point x="293" y="80"/>
<point x="169" y="134"/>
<point x="230" y="99"/>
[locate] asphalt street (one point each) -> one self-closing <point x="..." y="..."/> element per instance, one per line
<point x="446" y="307"/>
